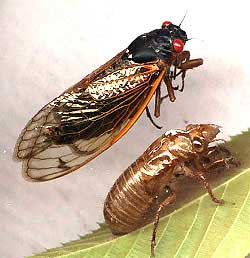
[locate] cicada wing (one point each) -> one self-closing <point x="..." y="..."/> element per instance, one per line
<point x="32" y="139"/>
<point x="59" y="160"/>
<point x="87" y="126"/>
<point x="44" y="160"/>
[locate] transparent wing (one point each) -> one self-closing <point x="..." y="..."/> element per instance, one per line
<point x="80" y="124"/>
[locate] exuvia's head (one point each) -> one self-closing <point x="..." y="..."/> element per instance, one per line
<point x="194" y="140"/>
<point x="201" y="135"/>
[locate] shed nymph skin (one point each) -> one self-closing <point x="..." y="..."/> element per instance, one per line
<point x="141" y="186"/>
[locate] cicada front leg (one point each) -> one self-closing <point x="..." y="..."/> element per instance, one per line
<point x="218" y="158"/>
<point x="184" y="63"/>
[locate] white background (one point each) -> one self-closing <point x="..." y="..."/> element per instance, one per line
<point x="46" y="46"/>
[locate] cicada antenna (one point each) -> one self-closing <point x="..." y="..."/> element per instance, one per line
<point x="202" y="40"/>
<point x="183" y="18"/>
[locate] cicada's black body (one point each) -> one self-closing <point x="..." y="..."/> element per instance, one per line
<point x="157" y="44"/>
<point x="92" y="115"/>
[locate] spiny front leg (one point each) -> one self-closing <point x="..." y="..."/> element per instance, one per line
<point x="218" y="158"/>
<point x="184" y="63"/>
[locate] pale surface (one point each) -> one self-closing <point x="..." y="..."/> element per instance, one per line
<point x="46" y="46"/>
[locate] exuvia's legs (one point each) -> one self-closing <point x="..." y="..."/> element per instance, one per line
<point x="223" y="163"/>
<point x="218" y="157"/>
<point x="202" y="179"/>
<point x="170" y="199"/>
<point x="200" y="176"/>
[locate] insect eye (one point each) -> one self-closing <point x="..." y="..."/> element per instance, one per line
<point x="198" y="145"/>
<point x="165" y="24"/>
<point x="178" y="45"/>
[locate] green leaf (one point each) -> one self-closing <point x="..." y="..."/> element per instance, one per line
<point x="194" y="226"/>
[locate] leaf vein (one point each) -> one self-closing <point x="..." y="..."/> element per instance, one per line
<point x="209" y="225"/>
<point x="189" y="230"/>
<point x="235" y="219"/>
<point x="129" y="251"/>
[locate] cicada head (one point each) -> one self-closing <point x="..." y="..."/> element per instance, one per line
<point x="165" y="44"/>
<point x="212" y="157"/>
<point x="169" y="42"/>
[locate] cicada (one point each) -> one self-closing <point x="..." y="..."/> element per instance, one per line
<point x="96" y="112"/>
<point x="149" y="185"/>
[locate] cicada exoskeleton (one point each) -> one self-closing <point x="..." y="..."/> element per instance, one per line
<point x="150" y="184"/>
<point x="93" y="114"/>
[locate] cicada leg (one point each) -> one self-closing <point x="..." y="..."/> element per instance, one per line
<point x="184" y="63"/>
<point x="199" y="175"/>
<point x="170" y="199"/>
<point x="157" y="102"/>
<point x="203" y="180"/>
<point x="219" y="158"/>
<point x="170" y="88"/>
<point x="151" y="119"/>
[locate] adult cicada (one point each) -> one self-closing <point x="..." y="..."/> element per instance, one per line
<point x="93" y="114"/>
<point x="150" y="184"/>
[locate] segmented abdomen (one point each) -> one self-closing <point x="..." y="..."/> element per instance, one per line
<point x="127" y="204"/>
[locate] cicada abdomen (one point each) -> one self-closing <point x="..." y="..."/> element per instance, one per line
<point x="148" y="185"/>
<point x="133" y="196"/>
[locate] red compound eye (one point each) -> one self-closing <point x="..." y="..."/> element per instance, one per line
<point x="178" y="45"/>
<point x="166" y="23"/>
